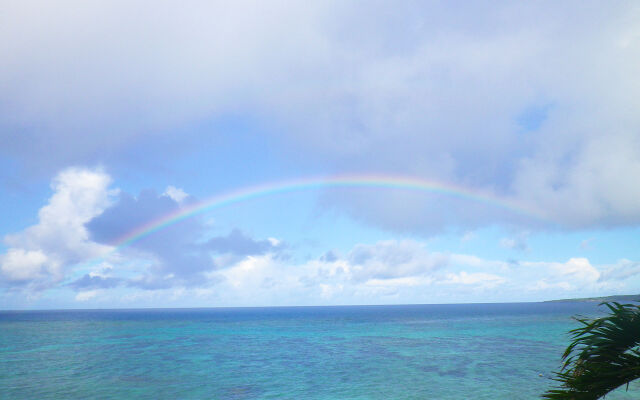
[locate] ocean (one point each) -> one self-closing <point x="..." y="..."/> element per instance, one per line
<point x="463" y="351"/>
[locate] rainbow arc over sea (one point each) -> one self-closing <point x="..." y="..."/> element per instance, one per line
<point x="311" y="183"/>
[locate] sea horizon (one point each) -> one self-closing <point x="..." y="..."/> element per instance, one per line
<point x="578" y="300"/>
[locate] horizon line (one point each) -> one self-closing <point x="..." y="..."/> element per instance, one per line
<point x="569" y="300"/>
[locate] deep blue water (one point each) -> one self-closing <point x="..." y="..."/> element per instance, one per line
<point x="470" y="351"/>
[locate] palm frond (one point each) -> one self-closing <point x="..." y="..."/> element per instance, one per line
<point x="603" y="355"/>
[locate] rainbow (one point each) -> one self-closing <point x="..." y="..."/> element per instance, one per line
<point x="372" y="181"/>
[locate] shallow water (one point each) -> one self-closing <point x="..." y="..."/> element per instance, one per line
<point x="471" y="351"/>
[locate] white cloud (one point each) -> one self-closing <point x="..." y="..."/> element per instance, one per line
<point x="392" y="259"/>
<point x="40" y="254"/>
<point x="622" y="270"/>
<point x="249" y="271"/>
<point x="578" y="268"/>
<point x="479" y="278"/>
<point x="177" y="194"/>
<point x="262" y="280"/>
<point x="576" y="277"/>
<point x="87" y="295"/>
<point x="404" y="271"/>
<point x="22" y="265"/>
<point x="363" y="274"/>
<point x="386" y="271"/>
<point x="103" y="270"/>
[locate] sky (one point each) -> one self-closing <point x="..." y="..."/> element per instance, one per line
<point x="272" y="153"/>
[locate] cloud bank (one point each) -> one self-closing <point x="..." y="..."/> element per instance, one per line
<point x="72" y="248"/>
<point x="83" y="222"/>
<point x="533" y="101"/>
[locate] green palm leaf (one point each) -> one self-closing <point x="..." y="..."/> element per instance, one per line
<point x="603" y="355"/>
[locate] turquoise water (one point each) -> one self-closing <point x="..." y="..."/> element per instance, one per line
<point x="473" y="351"/>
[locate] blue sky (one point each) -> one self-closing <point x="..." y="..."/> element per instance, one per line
<point x="113" y="115"/>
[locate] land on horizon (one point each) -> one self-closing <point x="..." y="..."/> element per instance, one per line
<point x="616" y="298"/>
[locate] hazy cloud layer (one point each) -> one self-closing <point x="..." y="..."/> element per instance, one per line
<point x="532" y="101"/>
<point x="406" y="271"/>
<point x="92" y="282"/>
<point x="622" y="270"/>
<point x="517" y="242"/>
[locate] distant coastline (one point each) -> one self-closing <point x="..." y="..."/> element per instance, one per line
<point x="619" y="298"/>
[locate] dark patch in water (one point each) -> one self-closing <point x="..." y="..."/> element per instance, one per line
<point x="242" y="392"/>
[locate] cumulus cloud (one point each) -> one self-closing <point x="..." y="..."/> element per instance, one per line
<point x="531" y="101"/>
<point x="84" y="219"/>
<point x="40" y="255"/>
<point x="575" y="277"/>
<point x="405" y="271"/>
<point x="402" y="270"/>
<point x="387" y="271"/>
<point x="578" y="268"/>
<point x="392" y="259"/>
<point x="23" y="265"/>
<point x="408" y="269"/>
<point x="176" y="194"/>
